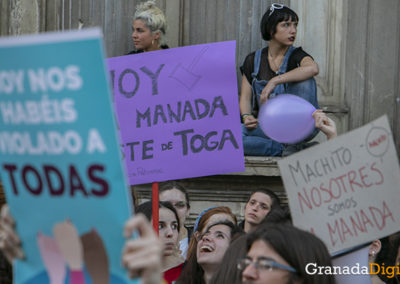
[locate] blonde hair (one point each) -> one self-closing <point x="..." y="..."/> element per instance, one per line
<point x="152" y="17"/>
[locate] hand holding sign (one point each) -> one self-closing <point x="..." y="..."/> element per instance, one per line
<point x="10" y="243"/>
<point x="287" y="118"/>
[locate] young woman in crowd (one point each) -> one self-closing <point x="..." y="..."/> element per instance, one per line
<point x="210" y="249"/>
<point x="177" y="195"/>
<point x="276" y="69"/>
<point x="209" y="216"/>
<point x="257" y="207"/>
<point x="228" y="271"/>
<point x="169" y="226"/>
<point x="214" y="231"/>
<point x="148" y="28"/>
<point x="279" y="254"/>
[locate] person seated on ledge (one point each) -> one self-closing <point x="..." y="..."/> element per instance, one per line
<point x="276" y="69"/>
<point x="148" y="28"/>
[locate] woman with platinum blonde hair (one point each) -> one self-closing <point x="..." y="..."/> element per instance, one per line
<point x="148" y="28"/>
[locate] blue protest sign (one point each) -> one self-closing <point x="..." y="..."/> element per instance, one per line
<point x="59" y="158"/>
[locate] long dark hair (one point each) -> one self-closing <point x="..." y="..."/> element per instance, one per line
<point x="298" y="248"/>
<point x="228" y="272"/>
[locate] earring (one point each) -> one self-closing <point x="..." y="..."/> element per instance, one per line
<point x="152" y="42"/>
<point x="373" y="253"/>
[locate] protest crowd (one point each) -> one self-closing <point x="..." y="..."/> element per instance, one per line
<point x="264" y="247"/>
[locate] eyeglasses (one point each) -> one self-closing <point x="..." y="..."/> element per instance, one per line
<point x="275" y="6"/>
<point x="263" y="264"/>
<point x="213" y="235"/>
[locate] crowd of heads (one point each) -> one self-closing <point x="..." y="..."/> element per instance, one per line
<point x="220" y="251"/>
<point x="272" y="250"/>
<point x="265" y="247"/>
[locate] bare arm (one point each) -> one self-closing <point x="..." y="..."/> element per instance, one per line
<point x="325" y="124"/>
<point x="245" y="104"/>
<point x="308" y="68"/>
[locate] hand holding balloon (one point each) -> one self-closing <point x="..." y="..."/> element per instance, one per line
<point x="325" y="124"/>
<point x="287" y="118"/>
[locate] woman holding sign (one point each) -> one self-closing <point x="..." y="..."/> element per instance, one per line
<point x="148" y="28"/>
<point x="276" y="69"/>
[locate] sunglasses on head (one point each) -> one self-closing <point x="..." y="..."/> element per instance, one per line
<point x="275" y="6"/>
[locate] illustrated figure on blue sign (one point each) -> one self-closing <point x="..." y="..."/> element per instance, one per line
<point x="73" y="255"/>
<point x="70" y="258"/>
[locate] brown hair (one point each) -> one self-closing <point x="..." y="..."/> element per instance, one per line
<point x="202" y="224"/>
<point x="193" y="273"/>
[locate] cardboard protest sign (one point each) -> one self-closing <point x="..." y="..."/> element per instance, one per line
<point x="60" y="160"/>
<point x="354" y="267"/>
<point x="178" y="112"/>
<point x="346" y="190"/>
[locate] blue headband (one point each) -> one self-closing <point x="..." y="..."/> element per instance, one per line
<point x="196" y="224"/>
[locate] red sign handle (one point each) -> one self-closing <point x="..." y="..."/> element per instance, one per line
<point x="155" y="205"/>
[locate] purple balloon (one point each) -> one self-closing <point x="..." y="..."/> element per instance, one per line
<point x="287" y="118"/>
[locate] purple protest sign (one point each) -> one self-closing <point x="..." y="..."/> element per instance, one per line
<point x="178" y="112"/>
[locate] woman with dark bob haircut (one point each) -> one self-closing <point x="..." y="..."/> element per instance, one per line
<point x="279" y="253"/>
<point x="278" y="68"/>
